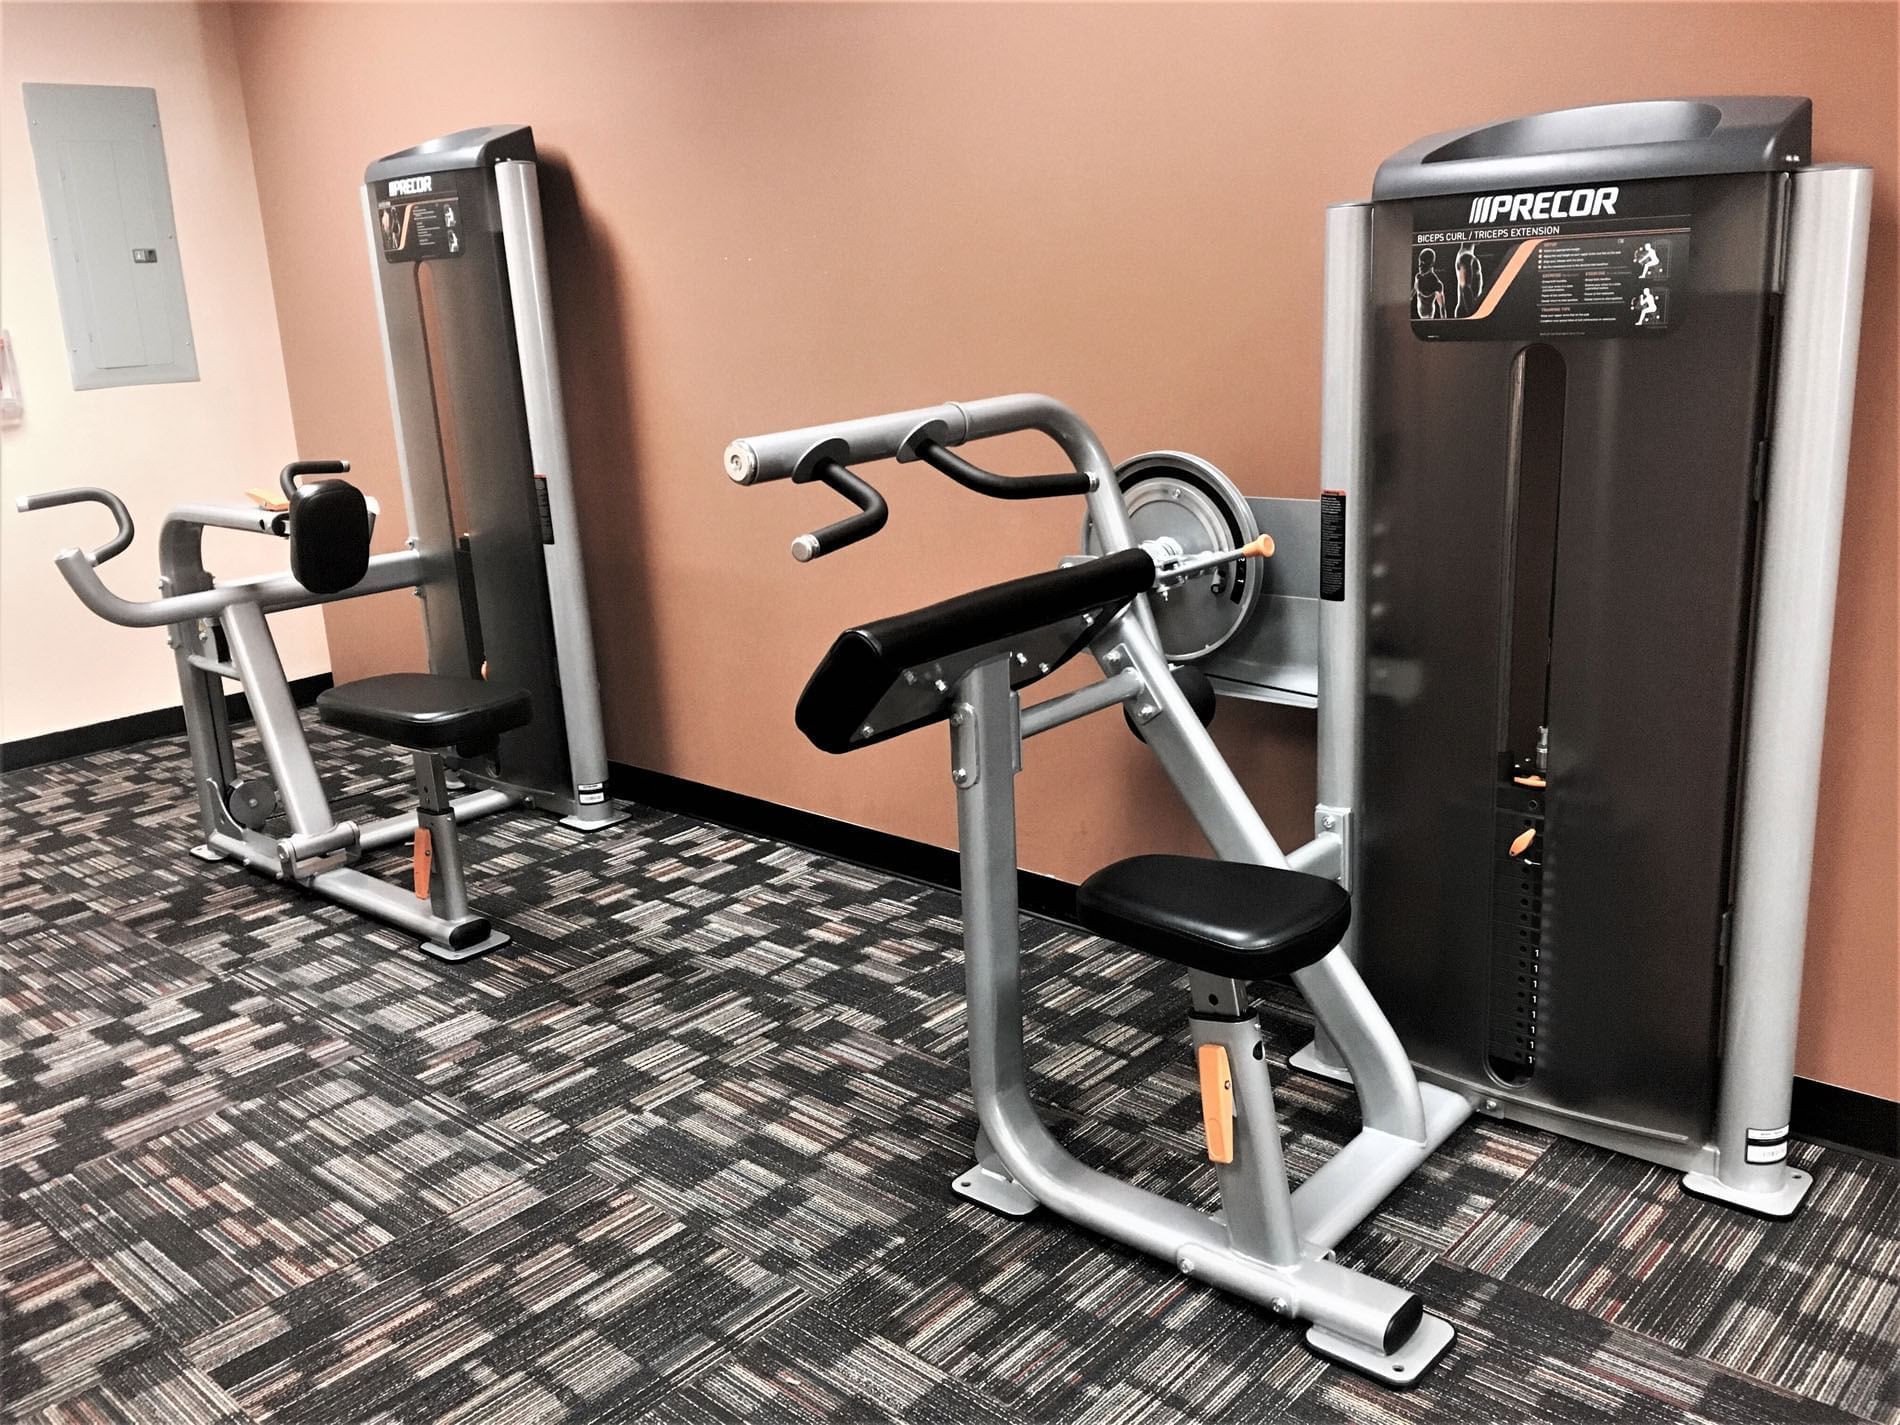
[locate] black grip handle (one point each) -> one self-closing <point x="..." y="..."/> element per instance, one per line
<point x="287" y="477"/>
<point x="871" y="516"/>
<point x="1001" y="487"/>
<point x="88" y="494"/>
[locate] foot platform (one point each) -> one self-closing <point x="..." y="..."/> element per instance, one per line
<point x="989" y="1183"/>
<point x="1399" y="1368"/>
<point x="494" y="940"/>
<point x="1781" y="1204"/>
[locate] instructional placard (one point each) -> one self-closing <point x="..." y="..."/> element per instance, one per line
<point x="1607" y="260"/>
<point x="419" y="217"/>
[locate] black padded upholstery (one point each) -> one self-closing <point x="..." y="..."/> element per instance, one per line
<point x="329" y="536"/>
<point x="424" y="711"/>
<point x="865" y="663"/>
<point x="1225" y="917"/>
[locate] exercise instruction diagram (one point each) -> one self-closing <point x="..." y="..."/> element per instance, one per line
<point x="1602" y="261"/>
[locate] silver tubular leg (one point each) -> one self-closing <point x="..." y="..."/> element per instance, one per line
<point x="448" y="883"/>
<point x="1781" y="779"/>
<point x="1370" y="1324"/>
<point x="275" y="713"/>
<point x="525" y="249"/>
<point x="1253" y="1191"/>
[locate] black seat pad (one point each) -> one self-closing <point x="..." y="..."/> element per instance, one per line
<point x="1226" y="917"/>
<point x="424" y="711"/>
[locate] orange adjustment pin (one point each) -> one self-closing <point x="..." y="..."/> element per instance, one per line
<point x="1523" y="841"/>
<point x="1217" y="1102"/>
<point x="1531" y="781"/>
<point x="424" y="861"/>
<point x="268" y="499"/>
<point x="1261" y="548"/>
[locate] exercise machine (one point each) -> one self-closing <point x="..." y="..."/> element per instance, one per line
<point x="463" y="293"/>
<point x="1581" y="759"/>
<point x="1565" y="606"/>
<point x="219" y="634"/>
<point x="510" y="706"/>
<point x="1253" y="912"/>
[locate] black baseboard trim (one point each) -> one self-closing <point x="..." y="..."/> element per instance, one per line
<point x="124" y="731"/>
<point x="1845" y="1118"/>
<point x="1822" y="1112"/>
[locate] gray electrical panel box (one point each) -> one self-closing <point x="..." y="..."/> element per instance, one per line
<point x="108" y="203"/>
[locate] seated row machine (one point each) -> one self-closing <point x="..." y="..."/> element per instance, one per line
<point x="219" y="634"/>
<point x="1252" y="913"/>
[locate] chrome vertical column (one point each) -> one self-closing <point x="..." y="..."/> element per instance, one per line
<point x="1345" y="397"/>
<point x="1787" y="707"/>
<point x="525" y="250"/>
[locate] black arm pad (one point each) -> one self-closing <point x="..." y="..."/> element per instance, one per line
<point x="860" y="683"/>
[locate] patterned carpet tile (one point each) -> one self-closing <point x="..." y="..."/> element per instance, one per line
<point x="811" y="1159"/>
<point x="63" y="1328"/>
<point x="682" y="1152"/>
<point x="808" y="1371"/>
<point x="563" y="1293"/>
<point x="1519" y="1357"/>
<point x="72" y="1096"/>
<point x="153" y="1385"/>
<point x="67" y="968"/>
<point x="236" y="1210"/>
<point x="1811" y="1304"/>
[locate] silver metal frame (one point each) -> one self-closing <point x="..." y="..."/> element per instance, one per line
<point x="199" y="611"/>
<point x="525" y="249"/>
<point x="1787" y="695"/>
<point x="584" y="805"/>
<point x="1744" y="1159"/>
<point x="1270" y="1244"/>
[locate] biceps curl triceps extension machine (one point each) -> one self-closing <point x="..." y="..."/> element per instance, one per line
<point x="1564" y="606"/>
<point x="1225" y="921"/>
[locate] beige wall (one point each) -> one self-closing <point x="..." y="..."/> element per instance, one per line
<point x="157" y="446"/>
<point x="786" y="213"/>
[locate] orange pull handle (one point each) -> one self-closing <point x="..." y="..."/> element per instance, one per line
<point x="272" y="500"/>
<point x="424" y="861"/>
<point x="1261" y="548"/>
<point x="1523" y="841"/>
<point x="1217" y="1101"/>
<point x="1533" y="780"/>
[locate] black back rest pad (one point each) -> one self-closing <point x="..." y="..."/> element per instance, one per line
<point x="859" y="693"/>
<point x="329" y="536"/>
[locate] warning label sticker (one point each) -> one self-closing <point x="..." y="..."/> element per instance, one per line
<point x="419" y="218"/>
<point x="1605" y="261"/>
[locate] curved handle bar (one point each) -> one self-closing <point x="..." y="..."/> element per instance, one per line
<point x="872" y="513"/>
<point x="1000" y="487"/>
<point x="287" y="477"/>
<point x="87" y="494"/>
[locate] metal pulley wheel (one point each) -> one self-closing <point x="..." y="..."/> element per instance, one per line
<point x="253" y="801"/>
<point x="1174" y="496"/>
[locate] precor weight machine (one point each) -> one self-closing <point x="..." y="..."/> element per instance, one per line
<point x="1224" y="922"/>
<point x="1565" y="606"/>
<point x="462" y="288"/>
<point x="510" y="705"/>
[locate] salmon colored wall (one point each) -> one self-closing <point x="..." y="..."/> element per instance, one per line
<point x="767" y="216"/>
<point x="157" y="446"/>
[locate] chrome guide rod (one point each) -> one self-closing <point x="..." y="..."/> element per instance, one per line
<point x="1787" y="712"/>
<point x="524" y="246"/>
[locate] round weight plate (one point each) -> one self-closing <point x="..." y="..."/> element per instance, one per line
<point x="1171" y="495"/>
<point x="253" y="802"/>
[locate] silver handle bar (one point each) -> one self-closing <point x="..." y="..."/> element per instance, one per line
<point x="795" y="454"/>
<point x="273" y="592"/>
